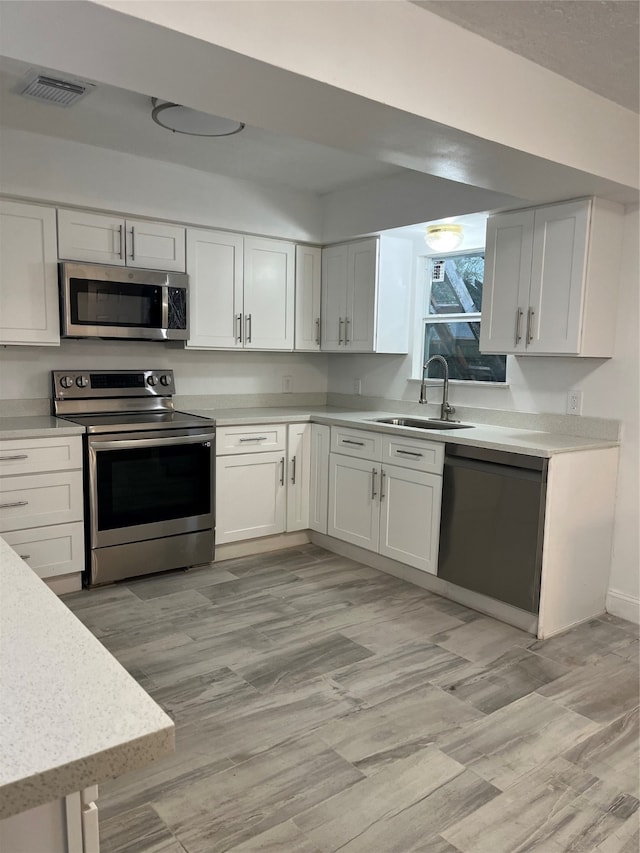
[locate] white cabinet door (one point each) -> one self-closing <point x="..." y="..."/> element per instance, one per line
<point x="361" y="296"/>
<point x="28" y="275"/>
<point x="154" y="245"/>
<point x="354" y="511"/>
<point x="410" y="517"/>
<point x="250" y="496"/>
<point x="319" y="477"/>
<point x="507" y="277"/>
<point x="215" y="268"/>
<point x="308" y="260"/>
<point x="558" y="273"/>
<point x="269" y="294"/>
<point x="50" y="551"/>
<point x="95" y="237"/>
<point x="335" y="265"/>
<point x="298" y="476"/>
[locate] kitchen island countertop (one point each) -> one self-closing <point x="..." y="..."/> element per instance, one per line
<point x="72" y="716"/>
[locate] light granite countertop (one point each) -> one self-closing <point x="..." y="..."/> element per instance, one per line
<point x="36" y="426"/>
<point x="71" y="715"/>
<point x="528" y="442"/>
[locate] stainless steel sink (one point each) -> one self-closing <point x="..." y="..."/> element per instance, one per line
<point x="422" y="423"/>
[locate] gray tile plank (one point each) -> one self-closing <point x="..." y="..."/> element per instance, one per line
<point x="138" y="830"/>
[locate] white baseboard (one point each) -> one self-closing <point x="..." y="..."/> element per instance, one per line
<point x="261" y="545"/>
<point x="623" y="605"/>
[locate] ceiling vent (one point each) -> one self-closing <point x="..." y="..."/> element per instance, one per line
<point x="54" y="90"/>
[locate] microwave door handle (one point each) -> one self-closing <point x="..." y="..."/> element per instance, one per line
<point x="99" y="444"/>
<point x="165" y="307"/>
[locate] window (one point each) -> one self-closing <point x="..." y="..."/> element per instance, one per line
<point x="452" y="324"/>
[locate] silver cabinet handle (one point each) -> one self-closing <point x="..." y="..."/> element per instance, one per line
<point x="253" y="438"/>
<point x="374" y="473"/>
<point x="293" y="469"/>
<point x="530" y="314"/>
<point x="24" y="556"/>
<point x="347" y="323"/>
<point x="247" y="329"/>
<point x="238" y="319"/>
<point x="351" y="441"/>
<point x="13" y="503"/>
<point x="340" y="322"/>
<point x="133" y="243"/>
<point x="518" y="336"/>
<point x="318" y="330"/>
<point x="382" y="476"/>
<point x="282" y="471"/>
<point x="13" y="458"/>
<point x="121" y="250"/>
<point x="408" y="453"/>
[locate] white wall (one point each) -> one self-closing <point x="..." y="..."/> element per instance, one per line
<point x="610" y="389"/>
<point x="56" y="170"/>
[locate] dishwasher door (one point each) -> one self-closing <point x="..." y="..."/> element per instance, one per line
<point x="492" y="524"/>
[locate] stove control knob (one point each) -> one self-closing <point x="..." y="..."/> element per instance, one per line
<point x="152" y="380"/>
<point x="66" y="381"/>
<point x="82" y="381"/>
<point x="165" y="379"/>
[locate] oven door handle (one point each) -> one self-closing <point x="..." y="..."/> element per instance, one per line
<point x="97" y="443"/>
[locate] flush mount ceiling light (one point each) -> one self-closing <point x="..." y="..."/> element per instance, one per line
<point x="444" y="238"/>
<point x="181" y="119"/>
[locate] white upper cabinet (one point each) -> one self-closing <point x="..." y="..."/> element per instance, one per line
<point x="308" y="281"/>
<point x="214" y="265"/>
<point x="366" y="287"/>
<point x="104" y="239"/>
<point x="242" y="291"/>
<point x="28" y="275"/>
<point x="551" y="278"/>
<point x="269" y="294"/>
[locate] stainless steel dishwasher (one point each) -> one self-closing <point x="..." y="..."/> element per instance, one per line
<point x="492" y="523"/>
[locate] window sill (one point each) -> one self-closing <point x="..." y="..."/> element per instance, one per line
<point x="473" y="383"/>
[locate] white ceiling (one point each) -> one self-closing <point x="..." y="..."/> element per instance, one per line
<point x="591" y="42"/>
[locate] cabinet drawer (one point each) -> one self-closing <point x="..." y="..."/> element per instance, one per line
<point x="35" y="500"/>
<point x="34" y="455"/>
<point x="254" y="439"/>
<point x="413" y="453"/>
<point x="50" y="551"/>
<point x="357" y="442"/>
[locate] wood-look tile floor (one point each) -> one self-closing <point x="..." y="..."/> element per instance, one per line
<point x="321" y="705"/>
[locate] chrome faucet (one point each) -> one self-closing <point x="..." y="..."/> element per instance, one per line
<point x="446" y="408"/>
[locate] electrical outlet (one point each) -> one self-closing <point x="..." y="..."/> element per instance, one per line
<point x="357" y="386"/>
<point x="574" y="402"/>
<point x="287" y="384"/>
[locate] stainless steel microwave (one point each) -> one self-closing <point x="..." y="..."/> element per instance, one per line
<point x="98" y="301"/>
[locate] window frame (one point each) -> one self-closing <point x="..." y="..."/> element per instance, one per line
<point x="425" y="319"/>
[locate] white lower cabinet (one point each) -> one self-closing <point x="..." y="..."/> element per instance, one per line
<point x="262" y="481"/>
<point x="41" y="502"/>
<point x="66" y="825"/>
<point x="393" y="510"/>
<point x="319" y="477"/>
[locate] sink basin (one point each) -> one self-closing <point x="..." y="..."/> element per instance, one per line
<point x="422" y="423"/>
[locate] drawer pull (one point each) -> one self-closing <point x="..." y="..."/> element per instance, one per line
<point x="254" y="438"/>
<point x="12" y="458"/>
<point x="14" y="503"/>
<point x="350" y="441"/>
<point x="408" y="453"/>
<point x="24" y="556"/>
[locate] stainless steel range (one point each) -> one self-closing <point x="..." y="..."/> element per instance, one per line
<point x="149" y="472"/>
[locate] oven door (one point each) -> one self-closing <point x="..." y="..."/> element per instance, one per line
<point x="150" y="486"/>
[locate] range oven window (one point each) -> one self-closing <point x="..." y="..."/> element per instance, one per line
<point x="105" y="303"/>
<point x="153" y="484"/>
